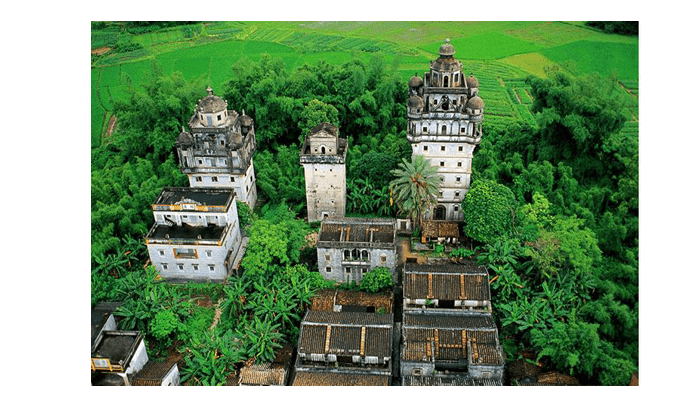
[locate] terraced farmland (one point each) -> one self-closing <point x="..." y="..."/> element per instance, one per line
<point x="499" y="54"/>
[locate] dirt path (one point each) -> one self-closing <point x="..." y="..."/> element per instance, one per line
<point x="218" y="313"/>
<point x="100" y="50"/>
<point x="111" y="127"/>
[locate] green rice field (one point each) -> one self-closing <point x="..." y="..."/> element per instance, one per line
<point x="499" y="54"/>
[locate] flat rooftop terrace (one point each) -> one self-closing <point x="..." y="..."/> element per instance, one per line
<point x="184" y="195"/>
<point x="186" y="234"/>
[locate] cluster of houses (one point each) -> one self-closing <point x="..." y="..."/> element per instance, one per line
<point x="445" y="334"/>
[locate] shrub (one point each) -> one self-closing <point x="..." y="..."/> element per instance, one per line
<point x="376" y="280"/>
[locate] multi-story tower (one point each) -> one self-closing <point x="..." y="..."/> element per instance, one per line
<point x="196" y="234"/>
<point x="323" y="158"/>
<point x="444" y="118"/>
<point x="218" y="150"/>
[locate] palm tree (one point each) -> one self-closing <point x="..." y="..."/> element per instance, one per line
<point x="415" y="188"/>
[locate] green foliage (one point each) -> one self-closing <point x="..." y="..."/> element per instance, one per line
<point x="415" y="187"/>
<point x="376" y="280"/>
<point x="489" y="210"/>
<point x="375" y="167"/>
<point x="315" y="113"/>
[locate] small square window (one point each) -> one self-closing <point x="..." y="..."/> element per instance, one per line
<point x="364" y="270"/>
<point x="441" y="163"/>
<point x="347" y="270"/>
<point x="459" y="164"/>
<point x="180" y="267"/>
<point x="328" y="269"/>
<point x="424" y="148"/>
<point x="219" y="118"/>
<point x="208" y="253"/>
<point x="443" y="148"/>
<point x="461" y="147"/>
<point x="214" y="179"/>
<point x="221" y="142"/>
<point x="457" y="194"/>
<point x="231" y="179"/>
<point x="198" y="178"/>
<point x="424" y="129"/>
<point x="456" y="208"/>
<point x="200" y="162"/>
<point x="195" y="267"/>
<point x="165" y="267"/>
<point x="161" y="252"/>
<point x="383" y="258"/>
<point x="328" y="257"/>
<point x="212" y="267"/>
<point x="458" y="179"/>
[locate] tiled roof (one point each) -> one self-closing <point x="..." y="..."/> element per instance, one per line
<point x="446" y="282"/>
<point x="485" y="354"/>
<point x="444" y="338"/>
<point x="347" y="333"/>
<point x="440" y="229"/>
<point x="306" y="378"/>
<point x="265" y="374"/>
<point x="152" y="373"/>
<point x="448" y="380"/>
<point x="358" y="230"/>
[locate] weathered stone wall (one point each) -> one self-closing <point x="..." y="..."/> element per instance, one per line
<point x="325" y="190"/>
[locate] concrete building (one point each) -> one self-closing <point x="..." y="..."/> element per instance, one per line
<point x="121" y="354"/>
<point x="196" y="234"/>
<point x="444" y="125"/>
<point x="323" y="157"/>
<point x="348" y="248"/>
<point x="218" y="150"/>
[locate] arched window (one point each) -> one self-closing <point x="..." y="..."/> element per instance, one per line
<point x="443" y="128"/>
<point x="323" y="149"/>
<point x="446" y="81"/>
<point x="365" y="255"/>
<point x="355" y="254"/>
<point x="346" y="255"/>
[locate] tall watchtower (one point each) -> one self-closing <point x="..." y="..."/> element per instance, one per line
<point x="444" y="125"/>
<point x="323" y="157"/>
<point x="218" y="150"/>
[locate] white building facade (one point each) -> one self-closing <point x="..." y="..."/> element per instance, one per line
<point x="444" y="125"/>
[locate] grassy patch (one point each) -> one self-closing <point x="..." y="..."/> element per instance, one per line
<point x="533" y="63"/>
<point x="549" y="34"/>
<point x="604" y="58"/>
<point x="488" y="46"/>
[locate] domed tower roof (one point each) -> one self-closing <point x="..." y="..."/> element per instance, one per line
<point x="415" y="81"/>
<point x="472" y="81"/>
<point x="416" y="102"/>
<point x="185" y="138"/>
<point x="476" y="103"/>
<point x="246" y="121"/>
<point x="212" y="104"/>
<point x="446" y="49"/>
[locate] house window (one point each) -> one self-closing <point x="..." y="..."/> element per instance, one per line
<point x="424" y="148"/>
<point x="443" y="148"/>
<point x="383" y="258"/>
<point x="458" y="179"/>
<point x="221" y="142"/>
<point x="195" y="267"/>
<point x="424" y="129"/>
<point x="208" y="253"/>
<point x="456" y="208"/>
<point x="417" y="371"/>
<point x="219" y="118"/>
<point x="180" y="267"/>
<point x="463" y="130"/>
<point x="346" y="255"/>
<point x="364" y="270"/>
<point x="212" y="267"/>
<point x="161" y="252"/>
<point x="457" y="193"/>
<point x="328" y="257"/>
<point x="347" y="270"/>
<point x="198" y="178"/>
<point x="444" y="129"/>
<point x="185" y="253"/>
<point x="200" y="162"/>
<point x="461" y="147"/>
<point x="231" y="178"/>
<point x="214" y="179"/>
<point x="165" y="267"/>
<point x="365" y="255"/>
<point x="328" y="269"/>
<point x="441" y="163"/>
<point x="459" y="164"/>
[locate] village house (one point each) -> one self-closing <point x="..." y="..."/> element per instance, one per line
<point x="457" y="344"/>
<point x="154" y="373"/>
<point x="359" y="343"/>
<point x="218" y="150"/>
<point x="446" y="288"/>
<point x="196" y="235"/>
<point x="348" y="248"/>
<point x="323" y="157"/>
